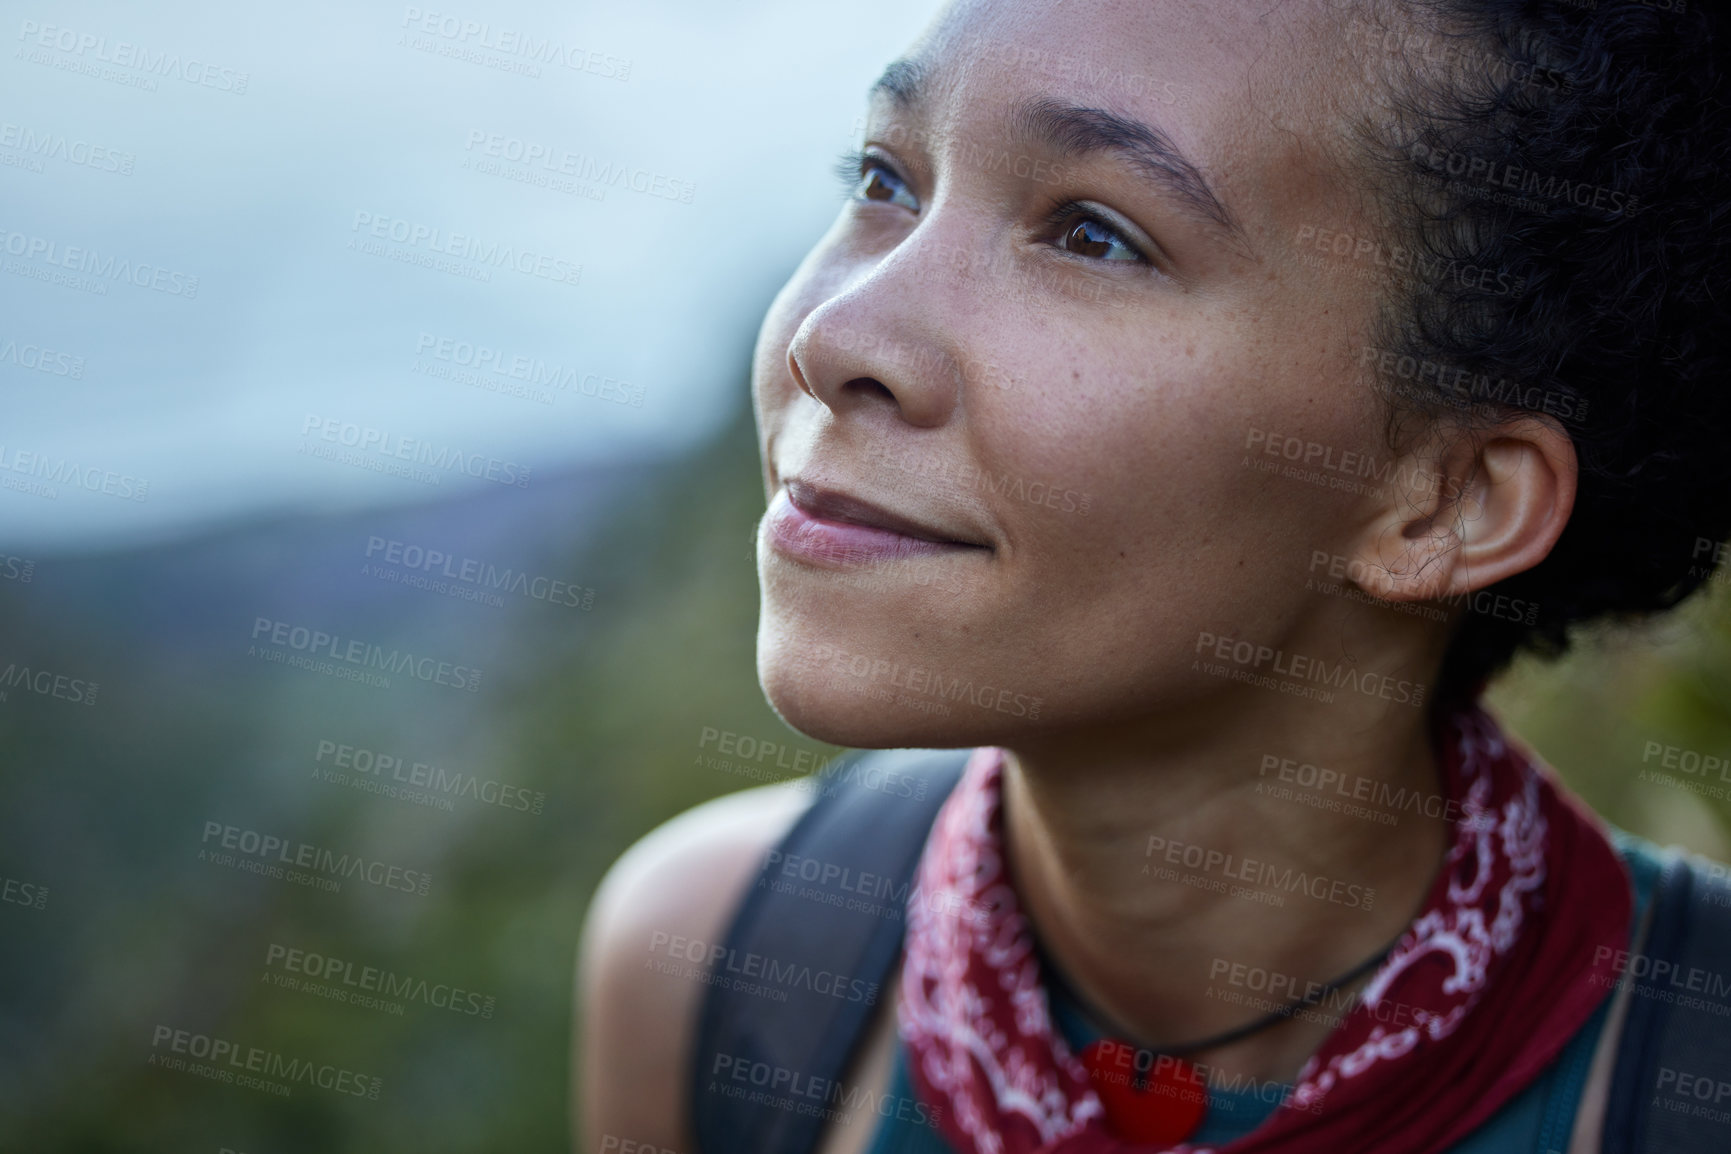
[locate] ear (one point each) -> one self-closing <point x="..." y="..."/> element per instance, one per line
<point x="1468" y="509"/>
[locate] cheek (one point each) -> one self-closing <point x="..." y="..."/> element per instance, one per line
<point x="1128" y="498"/>
<point x="1135" y="461"/>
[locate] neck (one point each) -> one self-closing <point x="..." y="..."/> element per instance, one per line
<point x="1171" y="867"/>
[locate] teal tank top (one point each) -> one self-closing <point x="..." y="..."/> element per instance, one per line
<point x="1537" y="1121"/>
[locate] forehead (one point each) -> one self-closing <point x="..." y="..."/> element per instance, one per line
<point x="1253" y="94"/>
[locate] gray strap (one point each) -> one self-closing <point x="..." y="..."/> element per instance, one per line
<point x="1671" y="1087"/>
<point x="808" y="953"/>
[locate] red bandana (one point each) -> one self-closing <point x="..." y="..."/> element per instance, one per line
<point x="1492" y="976"/>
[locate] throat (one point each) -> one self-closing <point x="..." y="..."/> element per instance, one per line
<point x="1236" y="934"/>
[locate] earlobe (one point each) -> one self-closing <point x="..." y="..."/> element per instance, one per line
<point x="1496" y="503"/>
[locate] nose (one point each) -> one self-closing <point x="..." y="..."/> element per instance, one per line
<point x="890" y="340"/>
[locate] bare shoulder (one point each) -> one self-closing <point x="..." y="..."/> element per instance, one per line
<point x="637" y="1001"/>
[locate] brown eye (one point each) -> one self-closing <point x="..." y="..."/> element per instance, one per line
<point x="865" y="177"/>
<point x="1089" y="237"/>
<point x="876" y="187"/>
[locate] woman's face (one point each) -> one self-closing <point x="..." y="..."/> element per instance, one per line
<point x="1012" y="405"/>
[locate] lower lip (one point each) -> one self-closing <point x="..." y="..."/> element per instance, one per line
<point x="796" y="533"/>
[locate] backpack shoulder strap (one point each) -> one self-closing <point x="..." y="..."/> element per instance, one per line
<point x="797" y="979"/>
<point x="1671" y="1085"/>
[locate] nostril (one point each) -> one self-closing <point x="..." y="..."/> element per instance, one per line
<point x="870" y="385"/>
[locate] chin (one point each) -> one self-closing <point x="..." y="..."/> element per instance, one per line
<point x="815" y="692"/>
<point x="830" y="714"/>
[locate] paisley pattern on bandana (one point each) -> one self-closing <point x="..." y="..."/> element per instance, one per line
<point x="1492" y="976"/>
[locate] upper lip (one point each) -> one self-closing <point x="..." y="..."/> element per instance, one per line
<point x="834" y="505"/>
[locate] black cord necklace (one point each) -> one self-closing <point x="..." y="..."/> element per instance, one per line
<point x="1100" y="1020"/>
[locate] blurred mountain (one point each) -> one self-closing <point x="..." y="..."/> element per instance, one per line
<point x="581" y="734"/>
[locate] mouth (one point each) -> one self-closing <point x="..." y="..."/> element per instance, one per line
<point x="831" y="528"/>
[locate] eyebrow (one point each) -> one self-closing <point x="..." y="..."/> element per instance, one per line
<point x="1074" y="131"/>
<point x="902" y="81"/>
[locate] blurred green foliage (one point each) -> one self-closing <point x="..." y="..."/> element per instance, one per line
<point x="601" y="712"/>
<point x="1626" y="700"/>
<point x="603" y="716"/>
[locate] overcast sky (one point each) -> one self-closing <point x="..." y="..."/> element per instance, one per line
<point x="395" y="214"/>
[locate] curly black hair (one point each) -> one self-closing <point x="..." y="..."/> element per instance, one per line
<point x="1575" y="158"/>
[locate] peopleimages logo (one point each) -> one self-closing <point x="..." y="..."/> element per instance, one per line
<point x="65" y="471"/>
<point x="231" y="1062"/>
<point x="436" y="241"/>
<point x="530" y="48"/>
<point x="22" y="893"/>
<point x="1465" y="387"/>
<point x="1524" y="182"/>
<point x="1698" y="1095"/>
<point x="534" y="373"/>
<point x="1354" y="787"/>
<point x="87" y="47"/>
<point x="933" y="687"/>
<point x="391" y="447"/>
<point x="1368" y="253"/>
<point x="1256" y="873"/>
<point x="274" y="852"/>
<point x="42" y="360"/>
<point x="723" y="965"/>
<point x="316" y="642"/>
<point x="1661" y="979"/>
<point x="580" y="166"/>
<point x="371" y="768"/>
<point x="47" y="683"/>
<point x="800" y="1093"/>
<point x="482" y="574"/>
<point x="95" y="263"/>
<point x="47" y="145"/>
<point x="1250" y="656"/>
<point x="348" y="982"/>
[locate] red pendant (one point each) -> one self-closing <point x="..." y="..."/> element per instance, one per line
<point x="1157" y="1099"/>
